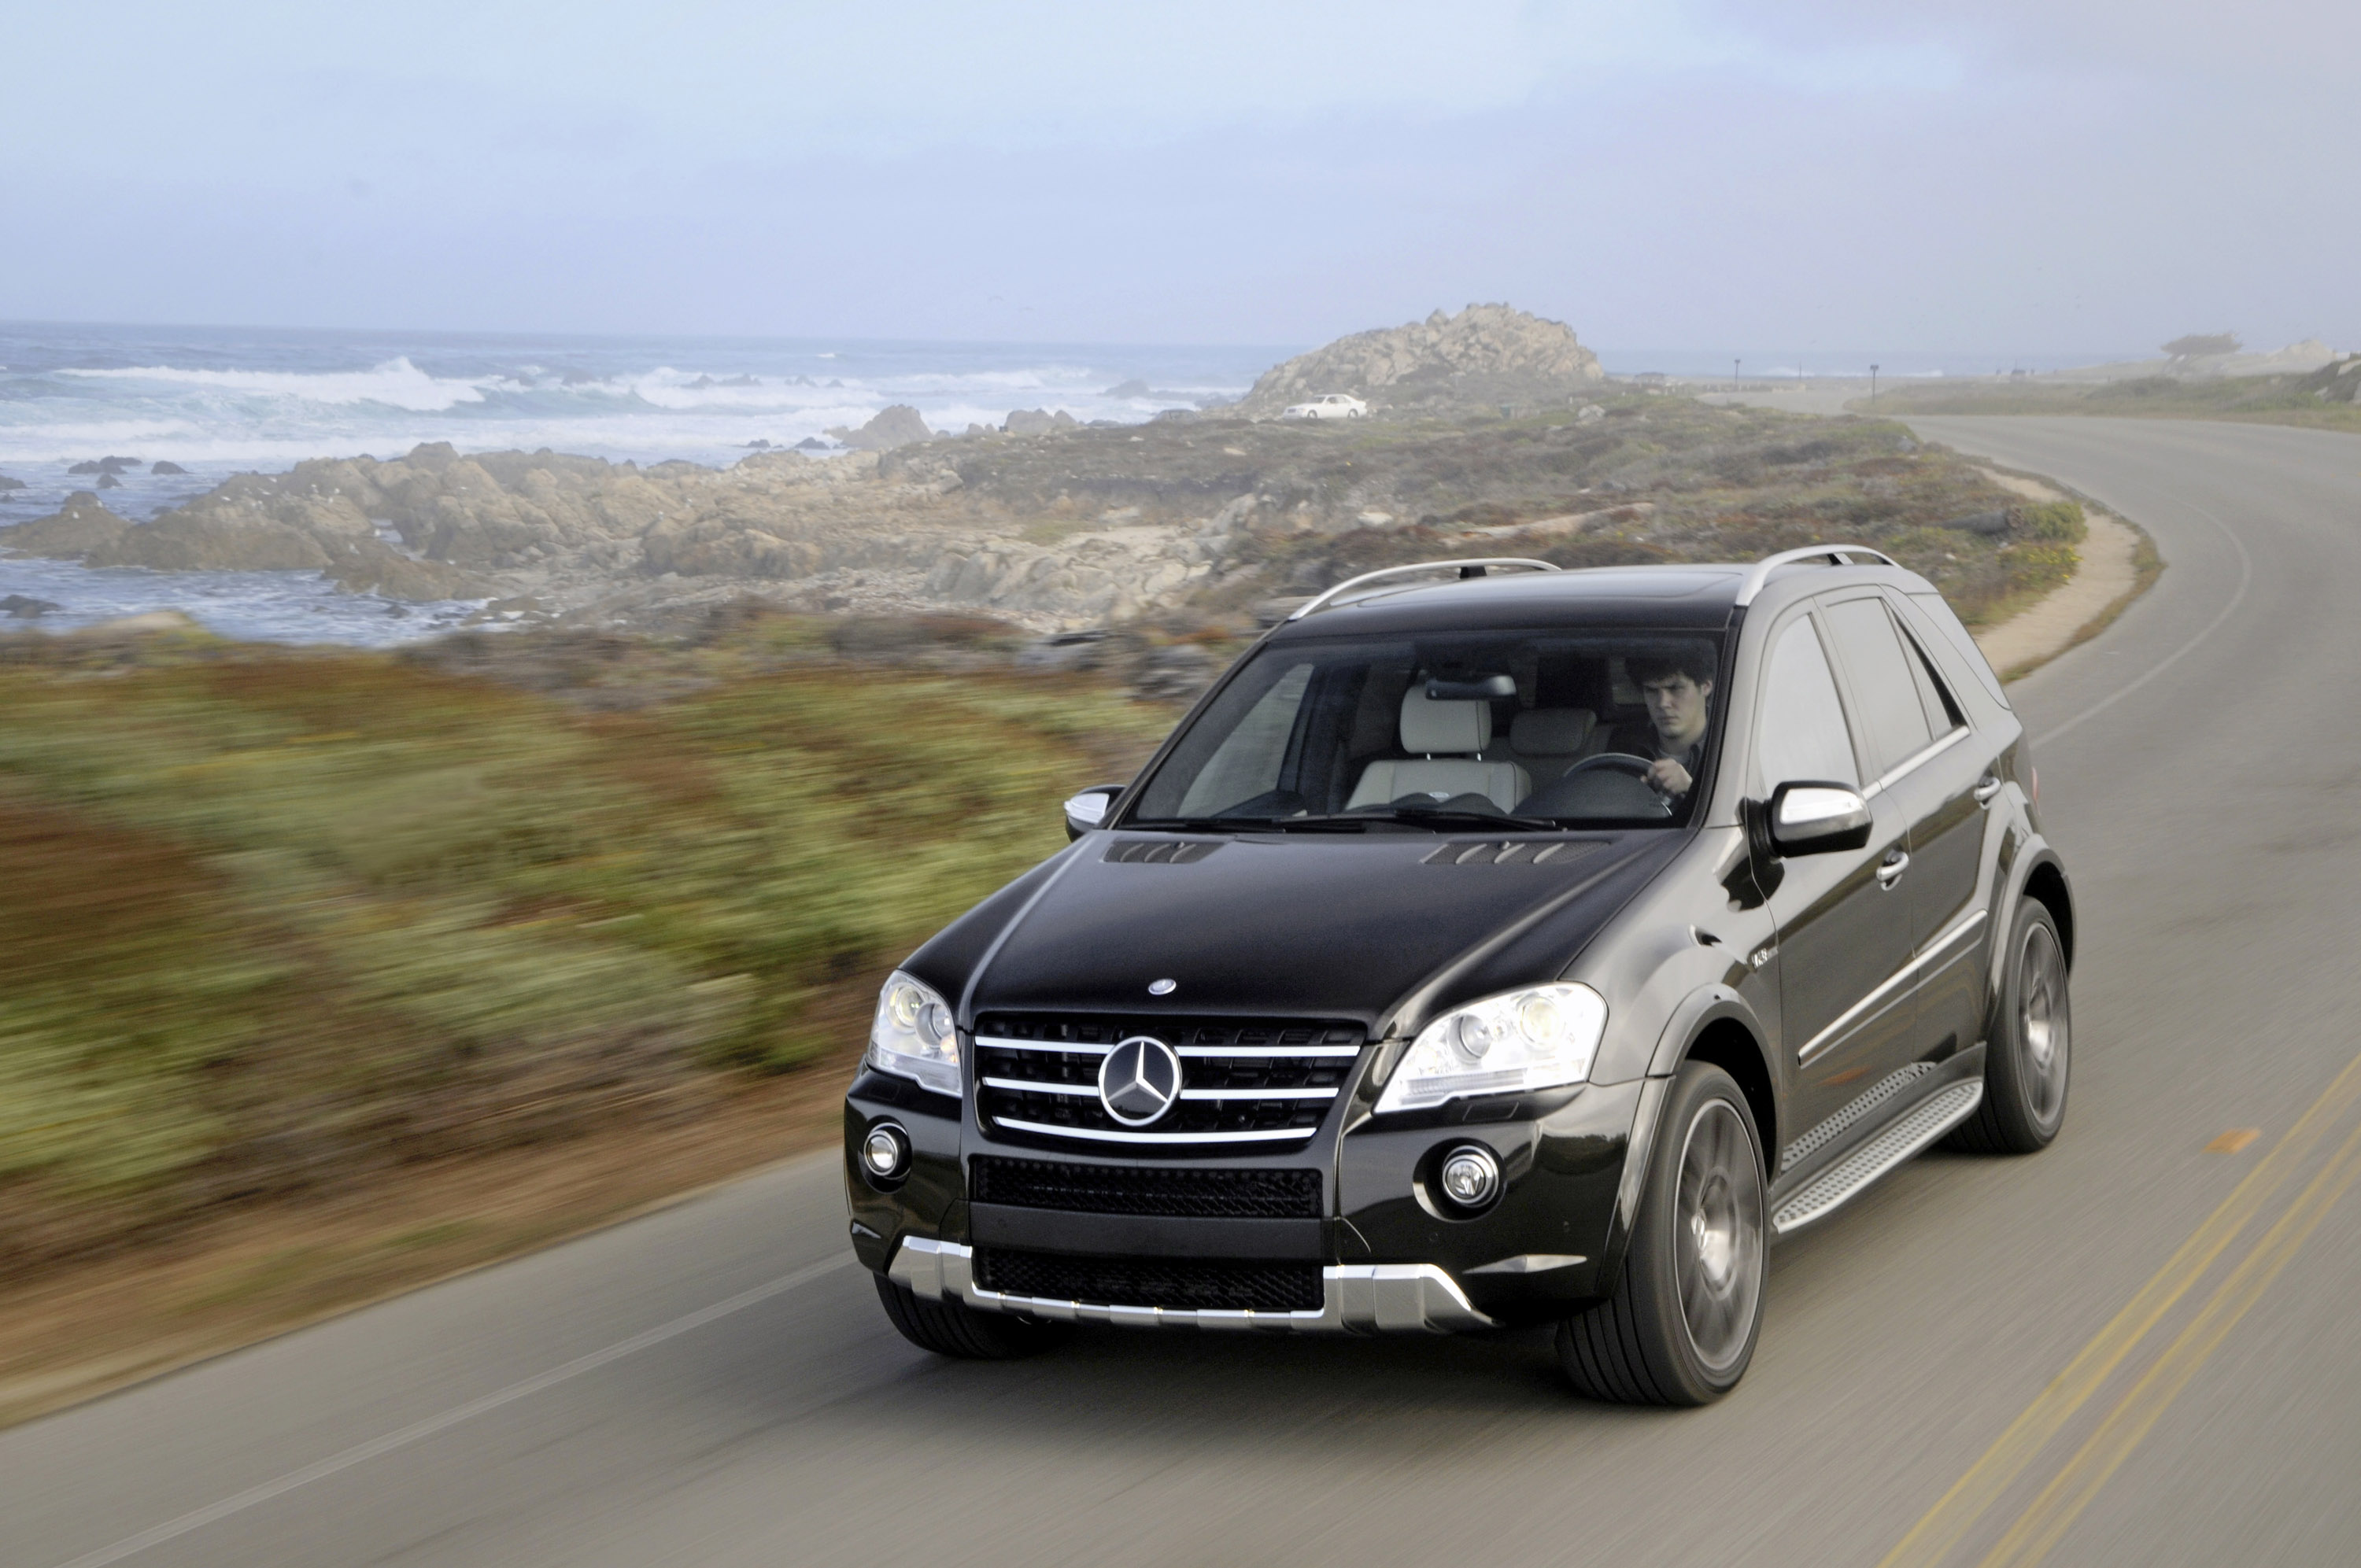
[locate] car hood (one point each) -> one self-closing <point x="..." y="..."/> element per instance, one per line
<point x="1300" y="925"/>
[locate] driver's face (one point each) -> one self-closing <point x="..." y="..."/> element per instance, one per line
<point x="1676" y="705"/>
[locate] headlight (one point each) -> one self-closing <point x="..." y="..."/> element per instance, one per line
<point x="1536" y="1039"/>
<point x="913" y="1036"/>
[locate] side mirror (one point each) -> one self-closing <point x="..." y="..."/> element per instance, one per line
<point x="1089" y="810"/>
<point x="1811" y="817"/>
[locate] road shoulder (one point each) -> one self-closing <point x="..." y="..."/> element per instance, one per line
<point x="2118" y="562"/>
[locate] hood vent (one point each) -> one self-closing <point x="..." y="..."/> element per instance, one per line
<point x="1159" y="852"/>
<point x="1510" y="853"/>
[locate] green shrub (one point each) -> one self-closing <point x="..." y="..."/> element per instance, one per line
<point x="275" y="916"/>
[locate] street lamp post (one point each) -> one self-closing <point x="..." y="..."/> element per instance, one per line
<point x="1873" y="386"/>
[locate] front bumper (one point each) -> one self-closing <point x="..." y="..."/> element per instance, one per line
<point x="1388" y="1257"/>
<point x="1365" y="1298"/>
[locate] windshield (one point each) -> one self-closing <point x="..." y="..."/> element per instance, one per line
<point x="1532" y="728"/>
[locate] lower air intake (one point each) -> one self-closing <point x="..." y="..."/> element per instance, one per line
<point x="1176" y="1282"/>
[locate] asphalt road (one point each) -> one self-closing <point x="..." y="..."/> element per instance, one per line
<point x="716" y="1384"/>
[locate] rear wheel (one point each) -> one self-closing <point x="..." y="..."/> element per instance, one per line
<point x="1681" y="1326"/>
<point x="956" y="1329"/>
<point x="2030" y="1055"/>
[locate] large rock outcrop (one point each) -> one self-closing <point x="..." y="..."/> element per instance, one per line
<point x="1484" y="355"/>
<point x="69" y="533"/>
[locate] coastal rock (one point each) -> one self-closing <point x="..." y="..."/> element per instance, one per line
<point x="90" y="467"/>
<point x="9" y="484"/>
<point x="109" y="482"/>
<point x="1484" y="355"/>
<point x="897" y="426"/>
<point x="24" y="609"/>
<point x="1036" y="422"/>
<point x="69" y="534"/>
<point x="166" y="467"/>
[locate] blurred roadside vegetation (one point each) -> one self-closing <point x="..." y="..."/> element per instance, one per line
<point x="275" y="919"/>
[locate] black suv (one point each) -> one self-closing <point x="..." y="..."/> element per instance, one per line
<point x="1522" y="947"/>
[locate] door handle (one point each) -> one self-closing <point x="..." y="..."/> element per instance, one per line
<point x="1986" y="790"/>
<point x="1891" y="872"/>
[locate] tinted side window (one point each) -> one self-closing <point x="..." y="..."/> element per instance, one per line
<point x="1942" y="708"/>
<point x="1802" y="732"/>
<point x="1881" y="683"/>
<point x="1933" y="608"/>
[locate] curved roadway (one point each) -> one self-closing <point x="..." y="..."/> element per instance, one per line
<point x="714" y="1385"/>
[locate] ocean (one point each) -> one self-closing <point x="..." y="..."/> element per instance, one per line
<point x="216" y="402"/>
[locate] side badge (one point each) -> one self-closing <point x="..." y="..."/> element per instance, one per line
<point x="1162" y="987"/>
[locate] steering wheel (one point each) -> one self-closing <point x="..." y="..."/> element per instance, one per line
<point x="1620" y="762"/>
<point x="1567" y="796"/>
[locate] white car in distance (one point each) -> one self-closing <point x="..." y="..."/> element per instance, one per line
<point x="1328" y="405"/>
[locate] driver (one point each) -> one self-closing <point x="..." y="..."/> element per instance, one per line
<point x="1678" y="689"/>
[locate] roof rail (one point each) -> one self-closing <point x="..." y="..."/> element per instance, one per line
<point x="1835" y="554"/>
<point x="1469" y="568"/>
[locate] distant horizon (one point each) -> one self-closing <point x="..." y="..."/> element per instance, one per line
<point x="1620" y="360"/>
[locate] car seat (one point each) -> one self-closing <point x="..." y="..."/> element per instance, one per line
<point x="1547" y="742"/>
<point x="1448" y="739"/>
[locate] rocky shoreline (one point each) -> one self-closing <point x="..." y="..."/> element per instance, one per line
<point x="1490" y="429"/>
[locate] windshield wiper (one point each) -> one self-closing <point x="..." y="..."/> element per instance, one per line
<point x="1248" y="824"/>
<point x="1444" y="818"/>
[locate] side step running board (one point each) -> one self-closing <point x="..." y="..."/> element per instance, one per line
<point x="1840" y="1183"/>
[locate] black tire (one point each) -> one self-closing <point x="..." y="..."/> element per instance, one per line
<point x="2028" y="1056"/>
<point x="956" y="1329"/>
<point x="1681" y="1326"/>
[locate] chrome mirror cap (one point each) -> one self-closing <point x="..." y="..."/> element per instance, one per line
<point x="1814" y="817"/>
<point x="1089" y="810"/>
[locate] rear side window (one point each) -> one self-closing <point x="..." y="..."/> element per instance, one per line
<point x="1942" y="708"/>
<point x="1881" y="683"/>
<point x="1802" y="732"/>
<point x="1932" y="607"/>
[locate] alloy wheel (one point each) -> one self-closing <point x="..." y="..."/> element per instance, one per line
<point x="1719" y="1242"/>
<point x="2043" y="1024"/>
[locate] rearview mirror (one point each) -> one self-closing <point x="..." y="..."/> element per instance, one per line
<point x="1484" y="688"/>
<point x="1812" y="817"/>
<point x="1089" y="810"/>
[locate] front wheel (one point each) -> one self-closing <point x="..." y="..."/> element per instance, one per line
<point x="2028" y="1056"/>
<point x="1681" y="1326"/>
<point x="957" y="1330"/>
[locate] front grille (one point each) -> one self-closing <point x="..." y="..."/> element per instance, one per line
<point x="1267" y="1083"/>
<point x="1140" y="1189"/>
<point x="1177" y="1282"/>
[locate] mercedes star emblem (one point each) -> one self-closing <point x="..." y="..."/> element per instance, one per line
<point x="1139" y="1080"/>
<point x="1162" y="987"/>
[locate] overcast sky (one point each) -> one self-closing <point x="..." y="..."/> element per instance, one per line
<point x="2001" y="176"/>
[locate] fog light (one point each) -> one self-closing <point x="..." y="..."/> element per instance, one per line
<point x="885" y="1151"/>
<point x="1470" y="1177"/>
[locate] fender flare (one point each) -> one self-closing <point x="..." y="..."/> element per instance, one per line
<point x="2036" y="857"/>
<point x="1700" y="1010"/>
<point x="1705" y="1007"/>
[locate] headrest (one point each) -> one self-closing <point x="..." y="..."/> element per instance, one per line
<point x="1552" y="731"/>
<point x="1429" y="727"/>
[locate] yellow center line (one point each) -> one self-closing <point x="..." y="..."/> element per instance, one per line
<point x="1955" y="1513"/>
<point x="2063" y="1500"/>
